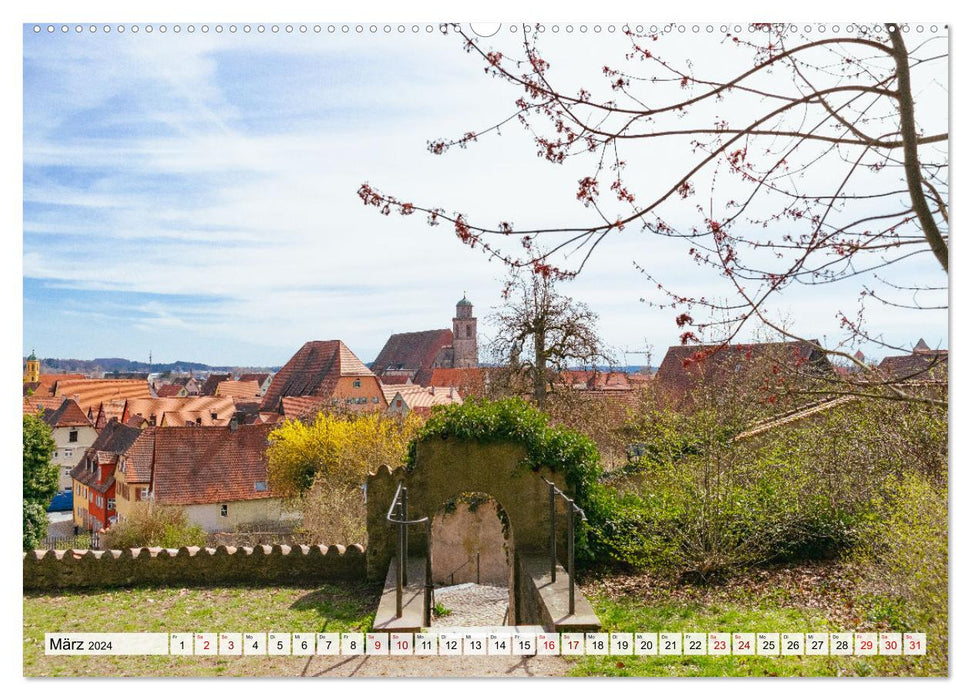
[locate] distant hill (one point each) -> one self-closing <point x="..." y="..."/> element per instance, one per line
<point x="101" y="365"/>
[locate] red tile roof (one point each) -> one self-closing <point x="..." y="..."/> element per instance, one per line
<point x="412" y="351"/>
<point x="68" y="415"/>
<point x="240" y="389"/>
<point x="210" y="465"/>
<point x="390" y="378"/>
<point x="294" y="407"/>
<point x="90" y="393"/>
<point x="47" y="382"/>
<point x="198" y="406"/>
<point x="596" y="379"/>
<point x="687" y="366"/>
<point x="471" y="381"/>
<point x="421" y="399"/>
<point x="114" y="442"/>
<point x="259" y="378"/>
<point x="920" y="365"/>
<point x="270" y="418"/>
<point x="314" y="371"/>
<point x="212" y="381"/>
<point x="41" y="404"/>
<point x="170" y="391"/>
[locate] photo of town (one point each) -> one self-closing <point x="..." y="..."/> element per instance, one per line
<point x="485" y="350"/>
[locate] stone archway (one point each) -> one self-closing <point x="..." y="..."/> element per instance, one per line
<point x="470" y="541"/>
<point x="448" y="466"/>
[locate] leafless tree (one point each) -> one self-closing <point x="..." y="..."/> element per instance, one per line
<point x="810" y="165"/>
<point x="542" y="332"/>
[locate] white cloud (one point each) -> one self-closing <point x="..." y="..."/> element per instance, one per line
<point x="190" y="198"/>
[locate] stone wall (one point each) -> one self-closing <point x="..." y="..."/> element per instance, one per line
<point x="456" y="539"/>
<point x="445" y="468"/>
<point x="55" y="570"/>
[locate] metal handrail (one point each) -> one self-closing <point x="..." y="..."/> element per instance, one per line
<point x="461" y="566"/>
<point x="399" y="508"/>
<point x="572" y="510"/>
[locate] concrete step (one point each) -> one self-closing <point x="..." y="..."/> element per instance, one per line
<point x="412" y="600"/>
<point x="503" y="629"/>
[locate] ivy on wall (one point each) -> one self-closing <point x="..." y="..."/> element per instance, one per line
<point x="556" y="448"/>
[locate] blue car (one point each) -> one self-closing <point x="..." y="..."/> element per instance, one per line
<point x="62" y="501"/>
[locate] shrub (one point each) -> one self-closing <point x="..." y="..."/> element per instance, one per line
<point x="151" y="525"/>
<point x="903" y="558"/>
<point x="702" y="502"/>
<point x="333" y="512"/>
<point x="35" y="524"/>
<point x="340" y="448"/>
<point x="40" y="478"/>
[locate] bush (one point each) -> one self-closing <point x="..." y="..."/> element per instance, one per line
<point x="333" y="512"/>
<point x="35" y="524"/>
<point x="40" y="478"/>
<point x="339" y="448"/>
<point x="151" y="525"/>
<point x="903" y="558"/>
<point x="699" y="501"/>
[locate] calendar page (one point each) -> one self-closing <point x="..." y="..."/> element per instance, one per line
<point x="400" y="348"/>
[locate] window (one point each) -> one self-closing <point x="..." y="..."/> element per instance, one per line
<point x="72" y="436"/>
<point x="260" y="486"/>
<point x="357" y="383"/>
<point x="374" y="399"/>
<point x="224" y="510"/>
<point x="99" y="501"/>
<point x="67" y="472"/>
<point x="143" y="494"/>
<point x="68" y="452"/>
<point x="111" y="504"/>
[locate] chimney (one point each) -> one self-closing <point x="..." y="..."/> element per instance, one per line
<point x="431" y="390"/>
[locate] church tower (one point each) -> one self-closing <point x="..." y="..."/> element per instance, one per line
<point x="32" y="373"/>
<point x="464" y="339"/>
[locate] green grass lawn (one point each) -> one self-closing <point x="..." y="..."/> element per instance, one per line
<point x="775" y="604"/>
<point x="626" y="614"/>
<point x="344" y="608"/>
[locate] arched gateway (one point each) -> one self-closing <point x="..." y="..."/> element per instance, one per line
<point x="444" y="469"/>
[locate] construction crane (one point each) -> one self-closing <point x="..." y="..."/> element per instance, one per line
<point x="647" y="351"/>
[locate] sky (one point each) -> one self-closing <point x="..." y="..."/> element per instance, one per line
<point x="193" y="196"/>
